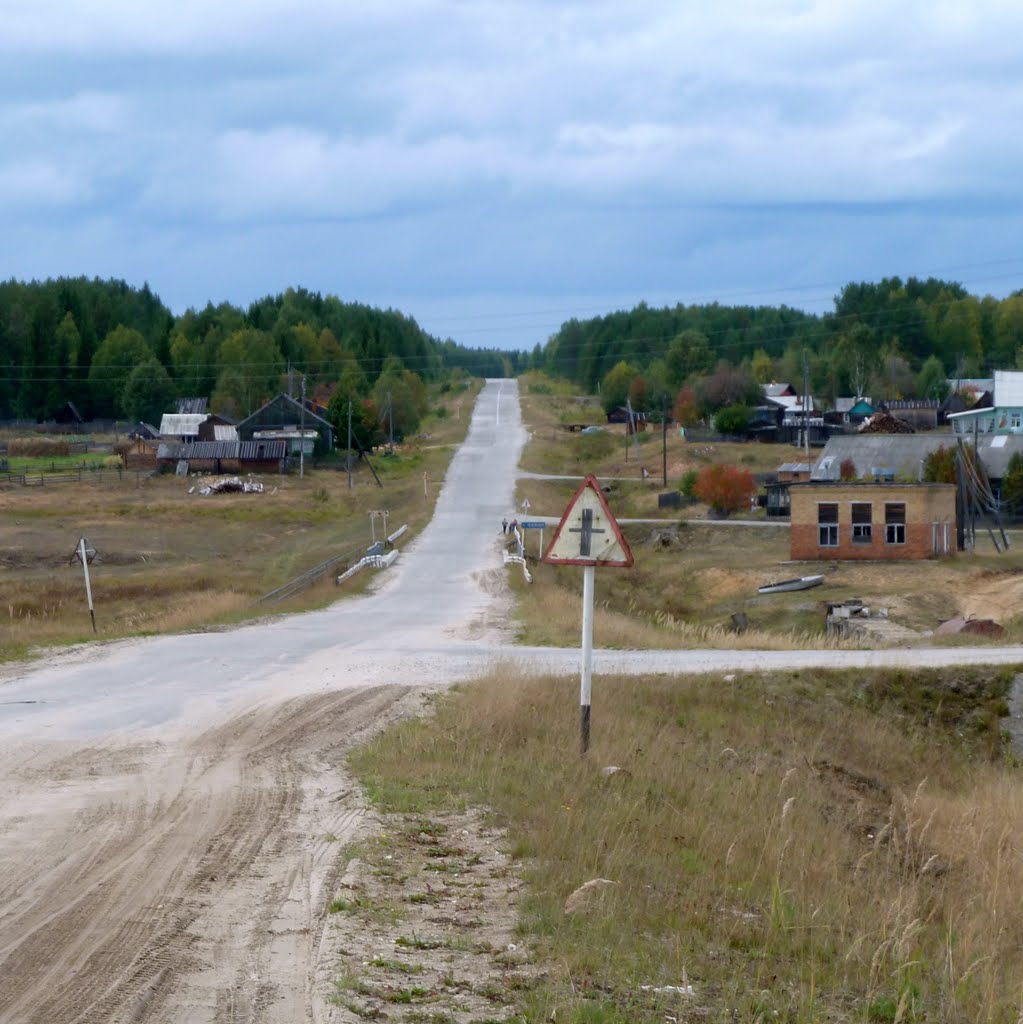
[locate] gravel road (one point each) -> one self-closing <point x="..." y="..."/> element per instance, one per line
<point x="171" y="810"/>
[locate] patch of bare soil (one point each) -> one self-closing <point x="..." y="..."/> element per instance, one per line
<point x="997" y="595"/>
<point x="719" y="584"/>
<point x="423" y="922"/>
<point x="149" y="882"/>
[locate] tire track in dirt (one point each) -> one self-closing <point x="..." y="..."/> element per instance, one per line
<point x="188" y="883"/>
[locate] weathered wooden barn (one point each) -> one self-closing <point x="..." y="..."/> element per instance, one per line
<point x="224" y="456"/>
<point x="141" y="453"/>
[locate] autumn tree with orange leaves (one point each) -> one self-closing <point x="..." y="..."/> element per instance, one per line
<point x="726" y="489"/>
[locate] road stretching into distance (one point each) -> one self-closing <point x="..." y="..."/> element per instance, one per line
<point x="443" y="601"/>
<point x="174" y="811"/>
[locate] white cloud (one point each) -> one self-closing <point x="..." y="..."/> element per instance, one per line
<point x="39" y="182"/>
<point x="84" y="112"/>
<point x="486" y="121"/>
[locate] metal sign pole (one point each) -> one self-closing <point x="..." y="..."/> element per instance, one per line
<point x="88" y="585"/>
<point x="588" y="535"/>
<point x="587" y="672"/>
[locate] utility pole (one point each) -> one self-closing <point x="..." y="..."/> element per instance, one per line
<point x="390" y="424"/>
<point x="85" y="553"/>
<point x="348" y="455"/>
<point x="664" y="438"/>
<point x="301" y="435"/>
<point x="806" y="402"/>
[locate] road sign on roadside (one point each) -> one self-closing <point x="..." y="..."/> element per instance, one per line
<point x="588" y="533"/>
<point x="538" y="524"/>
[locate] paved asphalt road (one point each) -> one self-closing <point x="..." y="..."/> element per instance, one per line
<point x="436" y="617"/>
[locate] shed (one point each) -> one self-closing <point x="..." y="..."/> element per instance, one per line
<point x="225" y="456"/>
<point x="140" y="453"/>
<point x="634" y="421"/>
<point x="217" y="428"/>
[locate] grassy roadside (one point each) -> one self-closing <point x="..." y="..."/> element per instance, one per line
<point x="798" y="847"/>
<point x="173" y="560"/>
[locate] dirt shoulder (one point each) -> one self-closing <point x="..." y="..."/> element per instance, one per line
<point x="191" y="881"/>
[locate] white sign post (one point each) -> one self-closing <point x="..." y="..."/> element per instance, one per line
<point x="588" y="535"/>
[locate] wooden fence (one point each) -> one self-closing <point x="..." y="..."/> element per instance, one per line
<point x="86" y="476"/>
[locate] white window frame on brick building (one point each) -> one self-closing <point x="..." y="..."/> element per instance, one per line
<point x="827" y="524"/>
<point x="895" y="522"/>
<point x="862" y="522"/>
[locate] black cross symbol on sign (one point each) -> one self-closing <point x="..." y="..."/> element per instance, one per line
<point x="586" y="532"/>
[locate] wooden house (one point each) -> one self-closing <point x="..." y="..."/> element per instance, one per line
<point x="285" y="419"/>
<point x="777" y="488"/>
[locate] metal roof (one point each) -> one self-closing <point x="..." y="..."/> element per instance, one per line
<point x="191" y="405"/>
<point x="247" y="451"/>
<point x="225" y="432"/>
<point x="272" y="414"/>
<point x="181" y="424"/>
<point x="904" y="453"/>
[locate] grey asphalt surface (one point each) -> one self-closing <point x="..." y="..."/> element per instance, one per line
<point x="437" y="616"/>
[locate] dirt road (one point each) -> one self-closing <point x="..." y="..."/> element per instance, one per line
<point x="182" y="882"/>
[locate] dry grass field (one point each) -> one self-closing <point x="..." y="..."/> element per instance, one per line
<point x="686" y="586"/>
<point x="171" y="559"/>
<point x="800" y="847"/>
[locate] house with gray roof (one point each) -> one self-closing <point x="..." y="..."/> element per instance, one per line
<point x="285" y="419"/>
<point x="1004" y="413"/>
<point x="901" y="456"/>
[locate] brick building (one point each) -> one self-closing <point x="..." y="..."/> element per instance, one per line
<point x="884" y="521"/>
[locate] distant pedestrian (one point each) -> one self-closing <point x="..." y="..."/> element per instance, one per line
<point x="514" y="526"/>
<point x="504" y="525"/>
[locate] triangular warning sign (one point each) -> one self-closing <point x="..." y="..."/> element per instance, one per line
<point x="588" y="534"/>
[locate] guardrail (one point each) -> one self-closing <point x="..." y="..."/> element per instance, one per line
<point x="300" y="583"/>
<point x="374" y="561"/>
<point x="519" y="560"/>
<point x="311" y="576"/>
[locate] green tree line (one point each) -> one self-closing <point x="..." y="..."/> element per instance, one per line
<point x="118" y="351"/>
<point x="891" y="339"/>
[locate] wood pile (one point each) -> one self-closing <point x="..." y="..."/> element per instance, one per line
<point x="886" y="423"/>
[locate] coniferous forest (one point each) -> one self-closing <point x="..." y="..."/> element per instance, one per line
<point x="117" y="351"/>
<point x="893" y="339"/>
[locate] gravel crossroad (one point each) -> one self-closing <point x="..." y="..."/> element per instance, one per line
<point x="165" y="804"/>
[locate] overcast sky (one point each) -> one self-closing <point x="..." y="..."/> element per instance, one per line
<point x="493" y="168"/>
